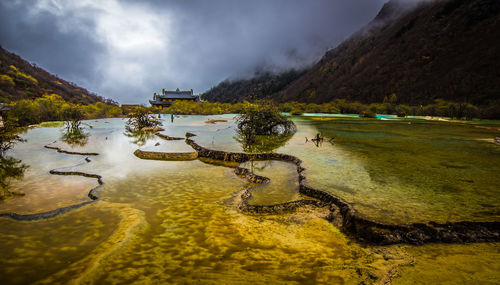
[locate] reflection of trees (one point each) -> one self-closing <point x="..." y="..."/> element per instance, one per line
<point x="139" y="137"/>
<point x="141" y="119"/>
<point x="75" y="136"/>
<point x="259" y="144"/>
<point x="259" y="165"/>
<point x="10" y="168"/>
<point x="73" y="133"/>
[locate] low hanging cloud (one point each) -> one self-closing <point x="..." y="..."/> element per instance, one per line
<point x="126" y="50"/>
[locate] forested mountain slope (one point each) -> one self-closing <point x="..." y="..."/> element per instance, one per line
<point x="446" y="49"/>
<point x="258" y="87"/>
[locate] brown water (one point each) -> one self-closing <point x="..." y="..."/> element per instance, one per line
<point x="177" y="222"/>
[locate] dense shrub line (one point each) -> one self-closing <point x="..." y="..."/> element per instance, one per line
<point x="53" y="108"/>
<point x="439" y="108"/>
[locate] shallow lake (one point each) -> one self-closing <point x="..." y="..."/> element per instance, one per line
<point x="177" y="221"/>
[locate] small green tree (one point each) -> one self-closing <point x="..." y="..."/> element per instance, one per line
<point x="140" y="119"/>
<point x="73" y="133"/>
<point x="263" y="119"/>
<point x="73" y="116"/>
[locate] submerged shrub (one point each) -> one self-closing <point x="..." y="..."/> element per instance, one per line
<point x="73" y="117"/>
<point x="263" y="119"/>
<point x="259" y="144"/>
<point x="141" y="118"/>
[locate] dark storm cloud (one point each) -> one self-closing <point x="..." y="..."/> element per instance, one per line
<point x="38" y="38"/>
<point x="126" y="50"/>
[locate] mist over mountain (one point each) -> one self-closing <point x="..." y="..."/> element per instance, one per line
<point x="420" y="50"/>
<point x="257" y="87"/>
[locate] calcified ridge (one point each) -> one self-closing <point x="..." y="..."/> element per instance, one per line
<point x="69" y="152"/>
<point x="342" y="213"/>
<point x="61" y="171"/>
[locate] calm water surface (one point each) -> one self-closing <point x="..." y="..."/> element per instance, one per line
<point x="407" y="171"/>
<point x="177" y="222"/>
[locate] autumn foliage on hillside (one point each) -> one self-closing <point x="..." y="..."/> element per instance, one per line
<point x="53" y="108"/>
<point x="20" y="79"/>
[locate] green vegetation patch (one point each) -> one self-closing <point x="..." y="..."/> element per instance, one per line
<point x="51" y="107"/>
<point x="7" y="78"/>
<point x="15" y="71"/>
<point x="56" y="124"/>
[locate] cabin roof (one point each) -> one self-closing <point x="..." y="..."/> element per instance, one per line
<point x="179" y="92"/>
<point x="167" y="97"/>
<point x="176" y="95"/>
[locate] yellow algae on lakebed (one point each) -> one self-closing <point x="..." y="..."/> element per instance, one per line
<point x="452" y="264"/>
<point x="60" y="252"/>
<point x="233" y="248"/>
<point x="85" y="270"/>
<point x="196" y="235"/>
<point x="176" y="222"/>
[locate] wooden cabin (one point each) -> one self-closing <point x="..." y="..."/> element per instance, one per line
<point x="167" y="98"/>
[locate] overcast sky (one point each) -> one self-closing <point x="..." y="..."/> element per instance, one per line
<point x="126" y="50"/>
